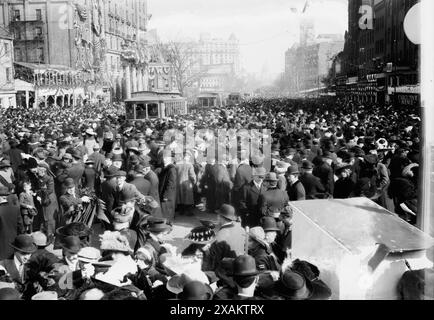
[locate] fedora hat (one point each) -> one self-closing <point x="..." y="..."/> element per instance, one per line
<point x="292" y="170"/>
<point x="69" y="183"/>
<point x="228" y="212"/>
<point x="158" y="225"/>
<point x="269" y="224"/>
<point x="294" y="286"/>
<point x="71" y="244"/>
<point x="40" y="239"/>
<point x="201" y="235"/>
<point x="24" y="243"/>
<point x="196" y="290"/>
<point x="244" y="266"/>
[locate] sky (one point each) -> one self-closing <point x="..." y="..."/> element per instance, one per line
<point x="265" y="28"/>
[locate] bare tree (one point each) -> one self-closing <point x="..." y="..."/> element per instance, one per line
<point x="185" y="62"/>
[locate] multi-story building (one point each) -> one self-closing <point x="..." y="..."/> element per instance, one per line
<point x="307" y="66"/>
<point x="100" y="42"/>
<point x="380" y="64"/>
<point x="7" y="88"/>
<point x="126" y="24"/>
<point x="217" y="60"/>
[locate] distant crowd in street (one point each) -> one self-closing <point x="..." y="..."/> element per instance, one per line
<point x="64" y="169"/>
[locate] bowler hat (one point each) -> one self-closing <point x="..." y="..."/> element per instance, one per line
<point x="71" y="244"/>
<point x="228" y="212"/>
<point x="196" y="290"/>
<point x="40" y="239"/>
<point x="111" y="172"/>
<point x="269" y="224"/>
<point x="307" y="165"/>
<point x="158" y="225"/>
<point x="292" y="170"/>
<point x="294" y="286"/>
<point x="244" y="266"/>
<point x="69" y="183"/>
<point x="24" y="243"/>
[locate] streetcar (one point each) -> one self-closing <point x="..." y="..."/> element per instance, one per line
<point x="234" y="99"/>
<point x="210" y="100"/>
<point x="153" y="105"/>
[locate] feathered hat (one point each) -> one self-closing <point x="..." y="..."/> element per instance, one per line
<point x="115" y="241"/>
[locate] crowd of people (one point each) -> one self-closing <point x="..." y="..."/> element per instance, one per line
<point x="64" y="169"/>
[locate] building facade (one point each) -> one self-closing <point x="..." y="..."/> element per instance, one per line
<point x="101" y="42"/>
<point x="217" y="60"/>
<point x="306" y="66"/>
<point x="379" y="64"/>
<point x="7" y="88"/>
